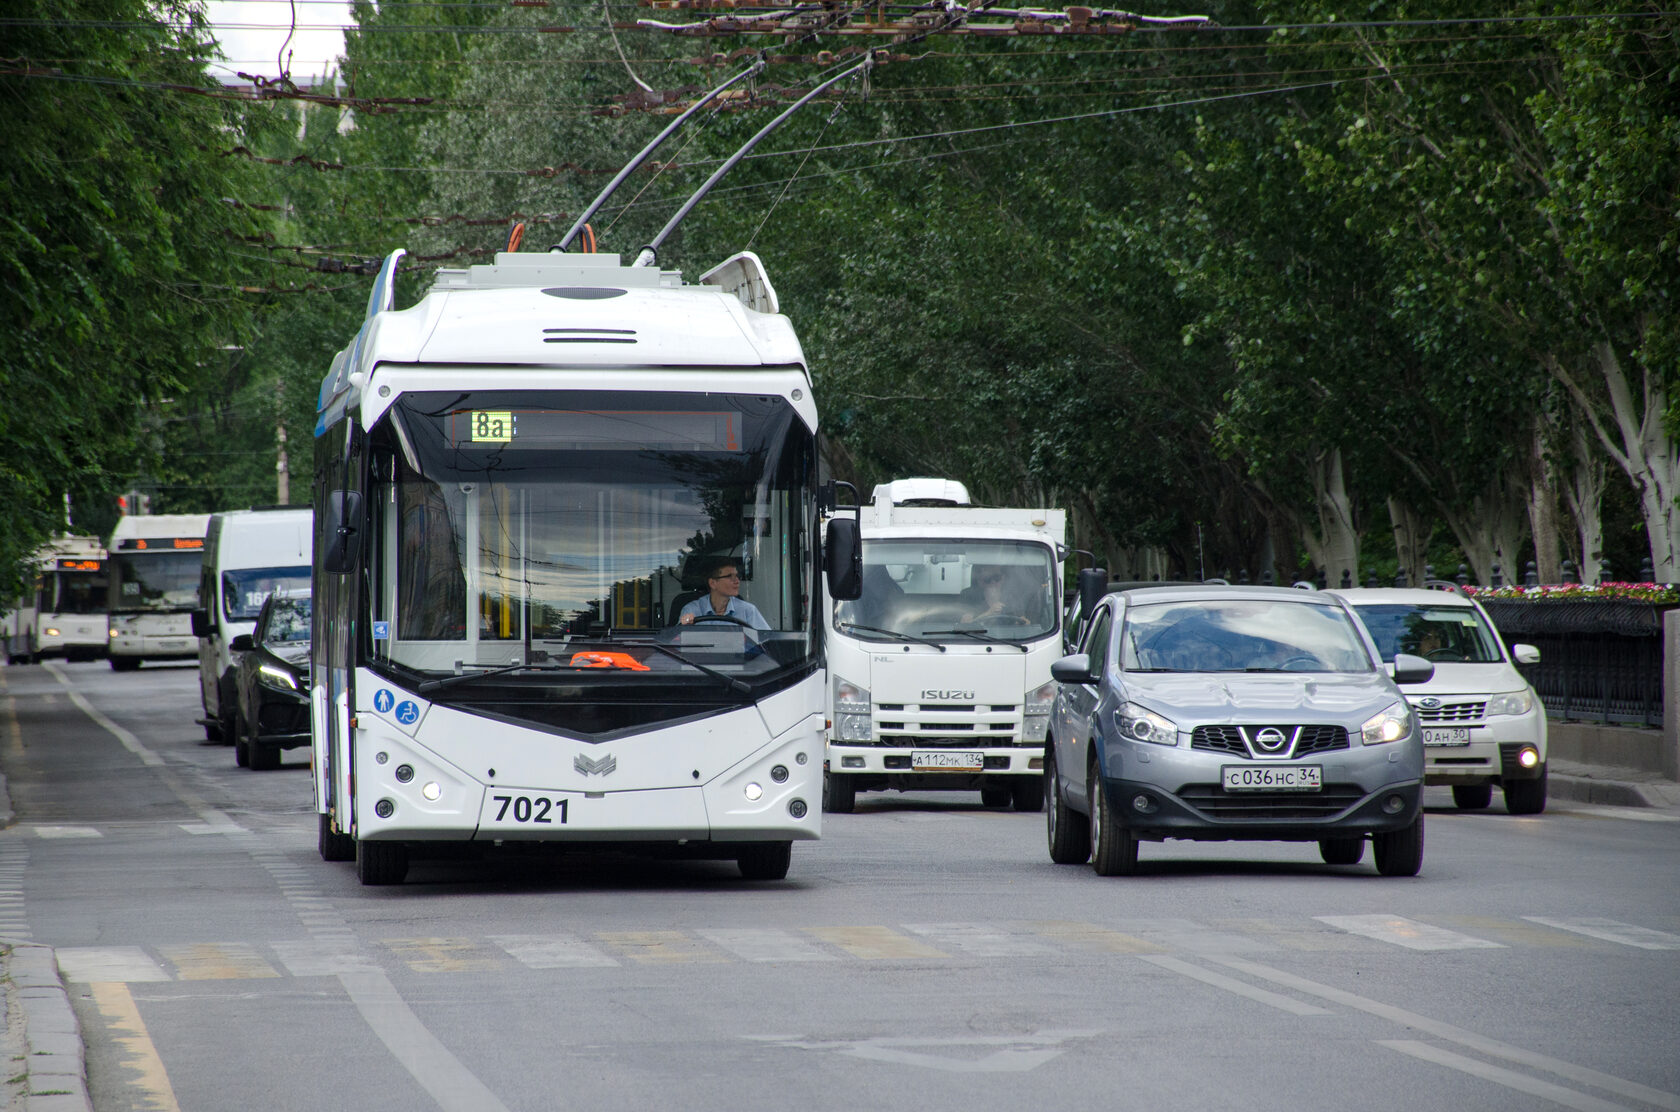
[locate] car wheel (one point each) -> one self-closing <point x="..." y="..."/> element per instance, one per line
<point x="1399" y="852"/>
<point x="1341" y="851"/>
<point x="1114" y="849"/>
<point x="381" y="862"/>
<point x="1028" y="793"/>
<point x="263" y="758"/>
<point x="1526" y="797"/>
<point x="1069" y="831"/>
<point x="334" y="847"/>
<point x="1472" y="797"/>
<point x="241" y="747"/>
<point x="124" y="663"/>
<point x="765" y="860"/>
<point x="997" y="796"/>
<point x="839" y="793"/>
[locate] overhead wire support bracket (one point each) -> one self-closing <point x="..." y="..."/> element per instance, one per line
<point x="642" y="156"/>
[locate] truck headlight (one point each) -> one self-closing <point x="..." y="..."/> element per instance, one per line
<point x="1512" y="702"/>
<point x="1138" y="723"/>
<point x="1391" y="724"/>
<point x="851" y="711"/>
<point x="1035" y="716"/>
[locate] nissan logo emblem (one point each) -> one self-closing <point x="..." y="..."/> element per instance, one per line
<point x="1270" y="740"/>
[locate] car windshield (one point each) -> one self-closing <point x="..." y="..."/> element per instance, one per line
<point x="1241" y="635"/>
<point x="1444" y="634"/>
<point x="288" y="622"/>
<point x="950" y="590"/>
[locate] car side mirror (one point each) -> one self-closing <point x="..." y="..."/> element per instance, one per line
<point x="243" y="643"/>
<point x="1073" y="669"/>
<point x="201" y="622"/>
<point x="1525" y="654"/>
<point x="342" y="537"/>
<point x="1412" y="669"/>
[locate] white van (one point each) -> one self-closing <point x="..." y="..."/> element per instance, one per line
<point x="248" y="555"/>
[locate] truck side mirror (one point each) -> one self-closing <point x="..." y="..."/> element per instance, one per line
<point x="201" y="622"/>
<point x="843" y="559"/>
<point x="1093" y="585"/>
<point x="342" y="537"/>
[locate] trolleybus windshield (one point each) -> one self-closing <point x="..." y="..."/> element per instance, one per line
<point x="563" y="532"/>
<point x="163" y="579"/>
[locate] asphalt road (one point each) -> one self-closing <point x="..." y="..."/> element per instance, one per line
<point x="924" y="955"/>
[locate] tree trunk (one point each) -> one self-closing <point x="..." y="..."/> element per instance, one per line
<point x="1584" y="494"/>
<point x="1412" y="532"/>
<point x="1494" y="525"/>
<point x="1334" y="545"/>
<point x="1542" y="514"/>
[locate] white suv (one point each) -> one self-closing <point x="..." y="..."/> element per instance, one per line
<point x="1482" y="722"/>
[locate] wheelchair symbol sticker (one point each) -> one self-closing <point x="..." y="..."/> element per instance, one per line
<point x="408" y="712"/>
<point x="382" y="701"/>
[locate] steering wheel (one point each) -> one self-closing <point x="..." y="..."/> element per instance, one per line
<point x="714" y="617"/>
<point x="1448" y="655"/>
<point x="1301" y="662"/>
<point x="1006" y="620"/>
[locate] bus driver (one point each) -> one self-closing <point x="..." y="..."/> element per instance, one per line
<point x="724" y="597"/>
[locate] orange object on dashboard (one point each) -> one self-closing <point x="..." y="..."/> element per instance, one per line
<point x="607" y="660"/>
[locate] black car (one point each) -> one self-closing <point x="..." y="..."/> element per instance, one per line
<point x="272" y="682"/>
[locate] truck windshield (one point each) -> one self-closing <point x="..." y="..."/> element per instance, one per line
<point x="946" y="590"/>
<point x="572" y="529"/>
<point x="164" y="581"/>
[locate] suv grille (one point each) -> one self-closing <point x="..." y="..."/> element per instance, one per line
<point x="1232" y="740"/>
<point x="1217" y="803"/>
<point x="1450" y="713"/>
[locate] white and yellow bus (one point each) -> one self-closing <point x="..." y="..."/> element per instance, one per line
<point x="62" y="612"/>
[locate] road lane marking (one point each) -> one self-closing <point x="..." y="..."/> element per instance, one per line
<point x="875" y="943"/>
<point x="427" y="1060"/>
<point x="14" y="918"/>
<point x="980" y="940"/>
<point x="217" y="961"/>
<point x="660" y="948"/>
<point x="1092" y="938"/>
<point x="443" y="955"/>
<point x="1409" y="933"/>
<point x="996" y="1053"/>
<point x="1609" y="930"/>
<point x="552" y="951"/>
<point x="1499" y="1075"/>
<point x="139" y="1053"/>
<point x="1446" y="1032"/>
<point x="1229" y="984"/>
<point x="765" y="944"/>
<point x="92" y="964"/>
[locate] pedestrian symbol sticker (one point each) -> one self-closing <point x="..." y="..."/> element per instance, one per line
<point x="382" y="701"/>
<point x="408" y="712"/>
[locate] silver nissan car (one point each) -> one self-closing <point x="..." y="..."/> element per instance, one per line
<point x="1221" y="713"/>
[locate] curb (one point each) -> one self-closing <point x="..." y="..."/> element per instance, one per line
<point x="55" y="1061"/>
<point x="1611" y="793"/>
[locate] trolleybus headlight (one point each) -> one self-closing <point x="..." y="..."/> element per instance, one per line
<point x="754" y="791"/>
<point x="52" y="632"/>
<point x="779" y="773"/>
<point x="432" y="790"/>
<point x="384" y="808"/>
<point x="405" y="773"/>
<point x="797" y="808"/>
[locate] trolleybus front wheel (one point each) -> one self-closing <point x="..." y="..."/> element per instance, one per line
<point x="387" y="862"/>
<point x="765" y="860"/>
<point x="334" y="846"/>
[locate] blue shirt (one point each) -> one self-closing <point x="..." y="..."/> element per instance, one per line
<point x="737" y="608"/>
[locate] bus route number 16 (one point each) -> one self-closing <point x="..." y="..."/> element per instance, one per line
<point x="524" y="808"/>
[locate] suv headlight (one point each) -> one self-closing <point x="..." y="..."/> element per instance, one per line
<point x="851" y="711"/>
<point x="1139" y="723"/>
<point x="1388" y="725"/>
<point x="1035" y="712"/>
<point x="1512" y="702"/>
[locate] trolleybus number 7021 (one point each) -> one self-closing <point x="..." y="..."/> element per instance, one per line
<point x="527" y="809"/>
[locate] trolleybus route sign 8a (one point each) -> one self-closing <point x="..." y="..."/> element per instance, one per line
<point x="599" y="430"/>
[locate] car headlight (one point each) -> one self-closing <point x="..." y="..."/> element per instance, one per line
<point x="1142" y="724"/>
<point x="1388" y="725"/>
<point x="851" y="711"/>
<point x="1512" y="702"/>
<point x="1035" y="717"/>
<point x="270" y="676"/>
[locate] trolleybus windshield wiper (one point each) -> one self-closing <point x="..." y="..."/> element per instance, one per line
<point x="442" y="682"/>
<point x="900" y="634"/>
<point x="980" y="635"/>
<point x="738" y="686"/>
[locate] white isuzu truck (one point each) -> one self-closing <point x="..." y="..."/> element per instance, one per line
<point x="940" y="672"/>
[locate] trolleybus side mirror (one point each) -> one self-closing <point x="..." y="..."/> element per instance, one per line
<point x="201" y="622"/>
<point x="343" y="534"/>
<point x="843" y="559"/>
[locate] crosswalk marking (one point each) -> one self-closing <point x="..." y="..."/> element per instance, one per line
<point x="552" y="951"/>
<point x="1307" y="937"/>
<point x="323" y="958"/>
<point x="766" y="944"/>
<point x="1409" y="933"/>
<point x="1612" y="931"/>
<point x="1514" y="933"/>
<point x="980" y="940"/>
<point x="129" y="964"/>
<point x="444" y="955"/>
<point x="875" y="943"/>
<point x="217" y="961"/>
<point x="67" y="832"/>
<point x="659" y="947"/>
<point x="1093" y="939"/>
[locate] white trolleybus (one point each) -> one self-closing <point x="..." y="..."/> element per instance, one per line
<point x="152" y="572"/>
<point x="522" y="485"/>
<point x="62" y="611"/>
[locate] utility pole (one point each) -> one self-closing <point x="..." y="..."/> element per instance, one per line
<point x="282" y="482"/>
